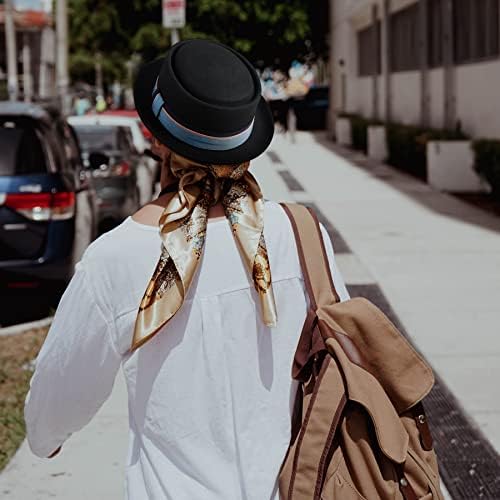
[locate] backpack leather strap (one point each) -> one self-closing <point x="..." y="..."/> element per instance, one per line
<point x="313" y="444"/>
<point x="317" y="274"/>
<point x="311" y="451"/>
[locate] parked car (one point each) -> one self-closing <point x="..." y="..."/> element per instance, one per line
<point x="112" y="163"/>
<point x="312" y="109"/>
<point x="147" y="168"/>
<point x="130" y="113"/>
<point x="48" y="211"/>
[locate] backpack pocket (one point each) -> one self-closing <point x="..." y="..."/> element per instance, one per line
<point x="338" y="487"/>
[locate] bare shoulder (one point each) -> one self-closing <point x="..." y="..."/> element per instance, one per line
<point x="149" y="214"/>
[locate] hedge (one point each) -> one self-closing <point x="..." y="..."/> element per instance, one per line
<point x="407" y="146"/>
<point x="487" y="163"/>
<point x="359" y="130"/>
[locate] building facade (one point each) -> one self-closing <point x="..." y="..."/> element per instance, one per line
<point x="35" y="48"/>
<point x="434" y="63"/>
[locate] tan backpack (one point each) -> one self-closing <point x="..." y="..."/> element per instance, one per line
<point x="359" y="430"/>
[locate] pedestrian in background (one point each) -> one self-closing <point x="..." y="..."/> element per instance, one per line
<point x="100" y="104"/>
<point x="199" y="297"/>
<point x="82" y="105"/>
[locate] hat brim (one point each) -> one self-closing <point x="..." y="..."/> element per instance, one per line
<point x="255" y="145"/>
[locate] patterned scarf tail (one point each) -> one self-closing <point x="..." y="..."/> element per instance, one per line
<point x="183" y="226"/>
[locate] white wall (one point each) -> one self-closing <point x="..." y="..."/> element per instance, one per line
<point x="405" y="89"/>
<point x="478" y="98"/>
<point x="362" y="97"/>
<point x="436" y="93"/>
<point x="477" y="85"/>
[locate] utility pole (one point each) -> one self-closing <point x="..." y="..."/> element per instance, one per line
<point x="10" y="43"/>
<point x="27" y="77"/>
<point x="62" y="53"/>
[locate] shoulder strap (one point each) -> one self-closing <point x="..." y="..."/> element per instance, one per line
<point x="304" y="471"/>
<point x="312" y="255"/>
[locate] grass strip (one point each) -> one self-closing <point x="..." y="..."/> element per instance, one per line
<point x="16" y="368"/>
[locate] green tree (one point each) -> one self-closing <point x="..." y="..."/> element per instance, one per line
<point x="264" y="30"/>
<point x="95" y="28"/>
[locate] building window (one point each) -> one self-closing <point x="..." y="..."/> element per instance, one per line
<point x="476" y="28"/>
<point x="369" y="50"/>
<point x="404" y="39"/>
<point x="435" y="32"/>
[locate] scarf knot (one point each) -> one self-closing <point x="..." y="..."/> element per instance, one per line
<point x="183" y="226"/>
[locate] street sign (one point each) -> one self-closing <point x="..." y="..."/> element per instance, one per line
<point x="174" y="13"/>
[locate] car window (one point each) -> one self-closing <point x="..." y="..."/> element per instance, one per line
<point x="97" y="137"/>
<point x="21" y="150"/>
<point x="71" y="150"/>
<point x="123" y="143"/>
<point x="130" y="140"/>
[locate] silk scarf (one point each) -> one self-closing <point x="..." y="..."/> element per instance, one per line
<point x="183" y="226"/>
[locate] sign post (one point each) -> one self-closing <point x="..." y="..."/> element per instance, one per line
<point x="174" y="17"/>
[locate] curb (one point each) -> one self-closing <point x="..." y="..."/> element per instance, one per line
<point x="22" y="327"/>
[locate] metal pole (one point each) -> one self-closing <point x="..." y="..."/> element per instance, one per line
<point x="174" y="36"/>
<point x="10" y="43"/>
<point x="27" y="77"/>
<point x="62" y="53"/>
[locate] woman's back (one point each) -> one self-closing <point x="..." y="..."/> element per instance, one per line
<point x="210" y="396"/>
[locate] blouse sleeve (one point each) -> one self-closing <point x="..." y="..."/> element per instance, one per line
<point x="74" y="371"/>
<point x="338" y="280"/>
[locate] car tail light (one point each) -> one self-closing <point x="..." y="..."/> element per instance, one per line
<point x="42" y="206"/>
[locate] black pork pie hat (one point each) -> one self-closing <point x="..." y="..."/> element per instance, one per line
<point x="203" y="101"/>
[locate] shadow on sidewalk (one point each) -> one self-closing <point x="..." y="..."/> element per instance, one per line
<point x="432" y="199"/>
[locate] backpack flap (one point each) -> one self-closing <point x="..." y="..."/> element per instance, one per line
<point x="373" y="343"/>
<point x="364" y="389"/>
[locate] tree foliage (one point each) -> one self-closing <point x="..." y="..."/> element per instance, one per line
<point x="266" y="31"/>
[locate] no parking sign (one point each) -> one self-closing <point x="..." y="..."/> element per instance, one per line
<point x="174" y="13"/>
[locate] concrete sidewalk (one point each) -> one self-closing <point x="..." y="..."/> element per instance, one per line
<point x="91" y="465"/>
<point x="436" y="259"/>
